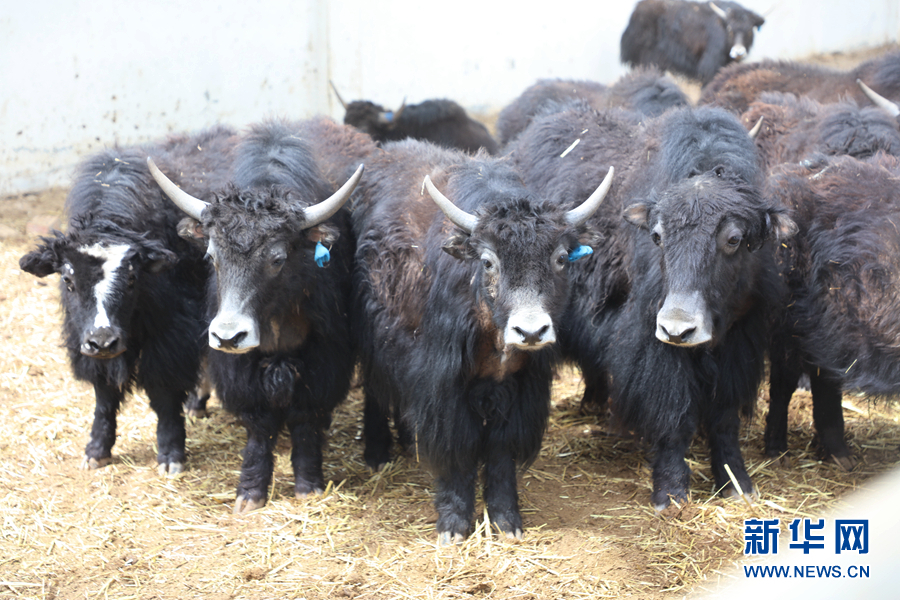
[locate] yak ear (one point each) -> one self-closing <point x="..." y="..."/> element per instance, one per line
<point x="637" y="214"/>
<point x="323" y="233"/>
<point x="190" y="229"/>
<point x="590" y="237"/>
<point x="457" y="246"/>
<point x="780" y="226"/>
<point x="45" y="259"/>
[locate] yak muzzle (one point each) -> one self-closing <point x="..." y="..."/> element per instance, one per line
<point x="103" y="342"/>
<point x="738" y="52"/>
<point x="529" y="330"/>
<point x="234" y="333"/>
<point x="683" y="320"/>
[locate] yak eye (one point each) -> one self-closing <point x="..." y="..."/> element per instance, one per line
<point x="278" y="261"/>
<point x="734" y="241"/>
<point x="487" y="264"/>
<point x="657" y="239"/>
<point x="70" y="284"/>
<point x="719" y="171"/>
<point x="131" y="279"/>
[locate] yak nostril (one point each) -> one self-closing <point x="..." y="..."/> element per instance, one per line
<point x="678" y="337"/>
<point x="532" y="337"/>
<point x="231" y="342"/>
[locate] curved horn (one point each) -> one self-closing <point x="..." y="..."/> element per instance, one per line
<point x="580" y="214"/>
<point x="341" y="100"/>
<point x="190" y="205"/>
<point x="318" y="213"/>
<point x="459" y="217"/>
<point x="755" y="129"/>
<point x="879" y="100"/>
<point x="718" y="10"/>
<point x="399" y="111"/>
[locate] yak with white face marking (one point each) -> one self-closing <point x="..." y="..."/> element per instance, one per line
<point x="669" y="320"/>
<point x="132" y="290"/>
<point x="457" y="313"/>
<point x="280" y="329"/>
<point x="695" y="39"/>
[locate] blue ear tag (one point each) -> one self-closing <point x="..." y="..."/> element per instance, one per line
<point x="389" y="116"/>
<point x="580" y="252"/>
<point x="323" y="255"/>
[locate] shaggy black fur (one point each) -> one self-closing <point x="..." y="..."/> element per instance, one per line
<point x="263" y="249"/>
<point x="442" y="122"/>
<point x="841" y="323"/>
<point x="646" y="90"/>
<point x="687" y="37"/>
<point x="794" y="128"/>
<point x="431" y="306"/>
<point x="156" y="328"/>
<point x="689" y="181"/>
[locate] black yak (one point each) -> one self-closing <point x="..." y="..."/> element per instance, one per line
<point x="280" y="243"/>
<point x="457" y="317"/>
<point x="132" y="290"/>
<point x="442" y="122"/>
<point x="736" y="86"/>
<point x="645" y="90"/>
<point x="841" y="324"/>
<point x="695" y="39"/>
<point x="670" y="316"/>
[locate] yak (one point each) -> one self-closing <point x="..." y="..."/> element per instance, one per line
<point x="840" y="324"/>
<point x="456" y="306"/>
<point x="132" y="291"/>
<point x="695" y="39"/>
<point x="669" y="320"/>
<point x="440" y="121"/>
<point x="737" y="86"/>
<point x="793" y="128"/>
<point x="646" y="90"/>
<point x="281" y="248"/>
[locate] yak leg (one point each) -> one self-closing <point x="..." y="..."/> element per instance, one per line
<point x="783" y="378"/>
<point x="98" y="452"/>
<point x="306" y="456"/>
<point x="671" y="475"/>
<point x="596" y="394"/>
<point x="501" y="495"/>
<point x="195" y="407"/>
<point x="722" y="429"/>
<point x="256" y="470"/>
<point x="170" y="433"/>
<point x="828" y="416"/>
<point x="376" y="432"/>
<point x="454" y="501"/>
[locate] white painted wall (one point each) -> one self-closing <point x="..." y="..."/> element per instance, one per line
<point x="77" y="75"/>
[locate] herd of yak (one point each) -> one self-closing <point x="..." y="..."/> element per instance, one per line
<point x="662" y="247"/>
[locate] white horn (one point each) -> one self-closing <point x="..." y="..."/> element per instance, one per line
<point x="879" y="100"/>
<point x="580" y="214"/>
<point x="755" y="130"/>
<point x="189" y="204"/>
<point x="718" y="10"/>
<point x="465" y="221"/>
<point x="318" y="213"/>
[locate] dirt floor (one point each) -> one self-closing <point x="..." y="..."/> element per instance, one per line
<point x="126" y="532"/>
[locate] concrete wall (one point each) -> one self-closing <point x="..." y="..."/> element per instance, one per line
<point x="78" y="75"/>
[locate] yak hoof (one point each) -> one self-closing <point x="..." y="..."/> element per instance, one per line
<point x="514" y="536"/>
<point x="197" y="413"/>
<point x="846" y="463"/>
<point x="305" y="495"/>
<point x="445" y="538"/>
<point x="95" y="463"/>
<point x="729" y="492"/>
<point x="242" y="504"/>
<point x="170" y="469"/>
